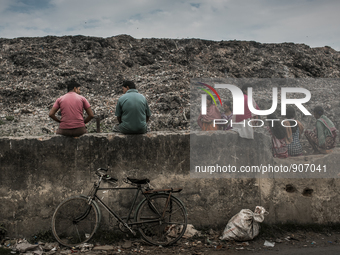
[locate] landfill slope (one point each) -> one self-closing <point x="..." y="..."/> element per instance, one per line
<point x="33" y="72"/>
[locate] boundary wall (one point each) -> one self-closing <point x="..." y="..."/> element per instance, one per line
<point x="37" y="173"/>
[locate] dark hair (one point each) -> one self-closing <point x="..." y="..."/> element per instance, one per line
<point x="245" y="88"/>
<point x="290" y="114"/>
<point x="210" y="99"/>
<point x="277" y="130"/>
<point x="318" y="110"/>
<point x="229" y="104"/>
<point x="129" y="84"/>
<point x="71" y="85"/>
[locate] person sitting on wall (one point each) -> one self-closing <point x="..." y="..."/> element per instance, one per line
<point x="227" y="115"/>
<point x="241" y="121"/>
<point x="206" y="121"/>
<point x="71" y="106"/>
<point x="322" y="138"/>
<point x="293" y="133"/>
<point x="132" y="111"/>
<point x="279" y="138"/>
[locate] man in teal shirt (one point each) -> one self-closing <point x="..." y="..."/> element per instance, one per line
<point x="132" y="111"/>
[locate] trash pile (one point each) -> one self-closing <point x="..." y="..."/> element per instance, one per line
<point x="244" y="226"/>
<point x="193" y="241"/>
<point x="33" y="72"/>
<point x="22" y="246"/>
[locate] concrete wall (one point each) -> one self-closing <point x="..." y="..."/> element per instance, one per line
<point x="37" y="173"/>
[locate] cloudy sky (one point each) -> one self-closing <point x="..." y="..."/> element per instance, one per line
<point x="312" y="22"/>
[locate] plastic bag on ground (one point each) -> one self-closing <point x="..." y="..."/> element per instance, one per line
<point x="190" y="231"/>
<point x="244" y="226"/>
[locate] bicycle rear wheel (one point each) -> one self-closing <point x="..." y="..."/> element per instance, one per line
<point x="75" y="221"/>
<point x="160" y="220"/>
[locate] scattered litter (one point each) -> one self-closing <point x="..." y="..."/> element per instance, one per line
<point x="85" y="247"/>
<point x="33" y="77"/>
<point x="278" y="240"/>
<point x="244" y="226"/>
<point x="190" y="231"/>
<point x="243" y="244"/>
<point x="289" y="238"/>
<point x="219" y="247"/>
<point x="209" y="242"/>
<point x="104" y="248"/>
<point x="127" y="244"/>
<point x="268" y="244"/>
<point x="50" y="246"/>
<point x="211" y="232"/>
<point x="23" y="247"/>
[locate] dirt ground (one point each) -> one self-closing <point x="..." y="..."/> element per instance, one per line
<point x="297" y="242"/>
<point x="311" y="240"/>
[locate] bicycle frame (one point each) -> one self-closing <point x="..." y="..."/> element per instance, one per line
<point x="96" y="188"/>
<point x="159" y="217"/>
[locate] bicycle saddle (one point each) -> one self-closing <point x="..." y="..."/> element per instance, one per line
<point x="138" y="181"/>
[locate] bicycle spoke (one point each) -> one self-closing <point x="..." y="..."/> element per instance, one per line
<point x="75" y="221"/>
<point x="75" y="226"/>
<point x="161" y="230"/>
<point x="173" y="212"/>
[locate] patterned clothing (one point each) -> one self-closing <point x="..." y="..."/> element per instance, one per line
<point x="323" y="136"/>
<point x="295" y="148"/>
<point x="279" y="146"/>
<point x="313" y="140"/>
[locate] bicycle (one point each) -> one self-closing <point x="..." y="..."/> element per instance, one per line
<point x="160" y="218"/>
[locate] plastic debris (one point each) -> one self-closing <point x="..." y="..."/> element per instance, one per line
<point x="23" y="247"/>
<point x="191" y="231"/>
<point x="268" y="244"/>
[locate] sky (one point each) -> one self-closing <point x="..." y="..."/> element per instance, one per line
<point x="312" y="22"/>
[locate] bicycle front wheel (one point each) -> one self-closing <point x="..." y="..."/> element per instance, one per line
<point x="75" y="221"/>
<point x="161" y="220"/>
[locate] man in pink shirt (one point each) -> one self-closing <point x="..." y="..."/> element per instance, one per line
<point x="71" y="106"/>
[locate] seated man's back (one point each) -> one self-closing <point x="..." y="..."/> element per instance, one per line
<point x="71" y="106"/>
<point x="132" y="112"/>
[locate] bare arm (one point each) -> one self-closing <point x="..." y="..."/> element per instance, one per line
<point x="52" y="114"/>
<point x="90" y="115"/>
